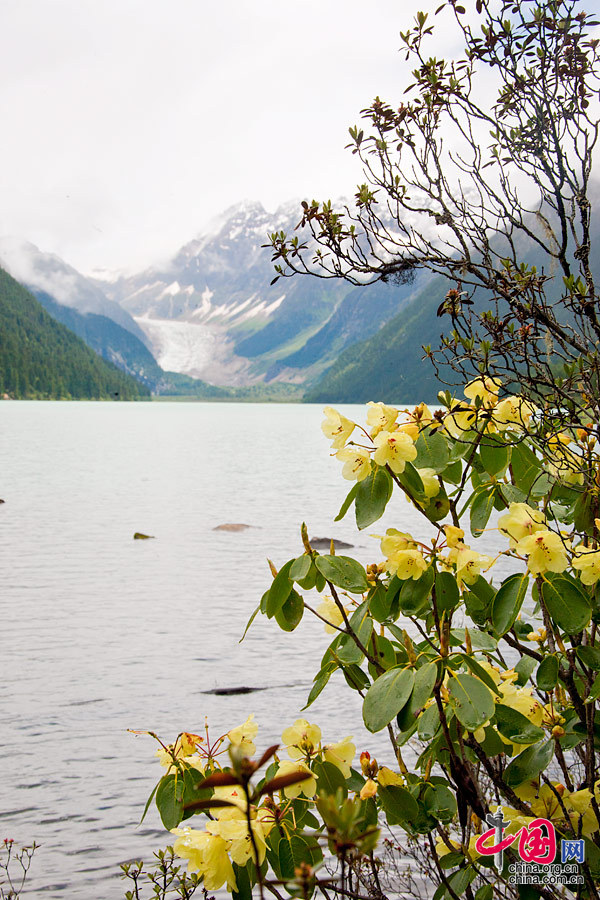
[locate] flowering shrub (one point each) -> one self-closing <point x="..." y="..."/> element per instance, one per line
<point x="493" y="687"/>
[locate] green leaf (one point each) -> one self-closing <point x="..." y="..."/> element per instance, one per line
<point x="508" y="601"/>
<point x="447" y="596"/>
<point x="329" y="778"/>
<point x="481" y="510"/>
<point x="594" y="691"/>
<point x="347" y="502"/>
<point x="300" y="567"/>
<point x="279" y="590"/>
<point x="546" y="676"/>
<point x="380" y="603"/>
<point x="485" y="892"/>
<point x="372" y="496"/>
<point x="440" y="802"/>
<point x="362" y="625"/>
<point x="525" y="466"/>
<point x="524" y="668"/>
<point x="471" y="700"/>
<point x="398" y="804"/>
<point x="169" y="799"/>
<point x="567" y="604"/>
<point x="344" y="572"/>
<point x="249" y="623"/>
<point x="589" y="656"/>
<point x="290" y="615"/>
<point x="425" y="678"/>
<point x="386" y="697"/>
<point x="478" y="670"/>
<point x="411" y="480"/>
<point x="148" y="802"/>
<point x="383" y="651"/>
<point x="429" y="723"/>
<point x="516" y="727"/>
<point x="242" y="879"/>
<point x="319" y="683"/>
<point x="494" y="454"/>
<point x="414" y="595"/>
<point x="528" y="764"/>
<point x="432" y="451"/>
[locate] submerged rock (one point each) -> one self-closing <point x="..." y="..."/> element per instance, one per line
<point x="232" y="526"/>
<point x="320" y="543"/>
<point x="228" y="691"/>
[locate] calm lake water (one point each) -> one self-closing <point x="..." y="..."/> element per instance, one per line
<point x="101" y="633"/>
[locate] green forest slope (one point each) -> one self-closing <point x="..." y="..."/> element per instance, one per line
<point x="389" y="365"/>
<point x="41" y="359"/>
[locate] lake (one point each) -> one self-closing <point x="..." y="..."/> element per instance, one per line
<point x="102" y="633"/>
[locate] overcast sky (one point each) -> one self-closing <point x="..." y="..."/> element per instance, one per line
<point x="127" y="124"/>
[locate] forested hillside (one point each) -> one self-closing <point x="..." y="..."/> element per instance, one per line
<point x="41" y="359"/>
<point x="390" y="364"/>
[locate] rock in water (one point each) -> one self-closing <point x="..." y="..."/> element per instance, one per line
<point x="325" y="543"/>
<point x="232" y="526"/>
<point x="138" y="536"/>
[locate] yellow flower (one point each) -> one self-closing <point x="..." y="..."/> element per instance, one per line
<point x="301" y="738"/>
<point x="587" y="561"/>
<point x="454" y="535"/>
<point x="307" y="787"/>
<point x="336" y="427"/>
<point x="513" y="411"/>
<point x="468" y="563"/>
<point x="545" y="552"/>
<point x="239" y="844"/>
<point x="341" y="755"/>
<point x="369" y="789"/>
<point x="394" y="541"/>
<point x="329" y="610"/>
<point x="380" y="417"/>
<point x="357" y="463"/>
<point x="184" y="746"/>
<point x="520" y="521"/>
<point x="207" y="854"/>
<point x="431" y="485"/>
<point x="459" y="418"/>
<point x="386" y="776"/>
<point x="395" y="449"/>
<point x="406" y="564"/>
<point x="243" y="736"/>
<point x="484" y="388"/>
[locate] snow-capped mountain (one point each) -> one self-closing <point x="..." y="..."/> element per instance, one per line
<point x="212" y="312"/>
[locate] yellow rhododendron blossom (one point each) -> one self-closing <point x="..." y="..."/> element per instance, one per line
<point x="513" y="411"/>
<point x="431" y="484"/>
<point x="520" y="521"/>
<point x="459" y="418"/>
<point x="357" y="463"/>
<point x="243" y="736"/>
<point x="184" y="746"/>
<point x="468" y="564"/>
<point x="545" y="552"/>
<point x="207" y="854"/>
<point x="486" y="389"/>
<point x="395" y="541"/>
<point x="328" y="609"/>
<point x="239" y="844"/>
<point x="395" y="449"/>
<point x="308" y="787"/>
<point x="301" y="738"/>
<point x="406" y="564"/>
<point x="380" y="417"/>
<point x="587" y="561"/>
<point x="454" y="535"/>
<point x="386" y="776"/>
<point x="341" y="755"/>
<point x="336" y="427"/>
<point x="369" y="789"/>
